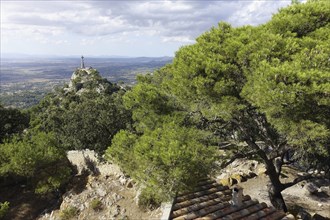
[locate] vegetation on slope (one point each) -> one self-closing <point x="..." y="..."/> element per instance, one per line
<point x="266" y="87"/>
<point x="12" y="121"/>
<point x="35" y="160"/>
<point x="87" y="114"/>
<point x="34" y="144"/>
<point x="263" y="89"/>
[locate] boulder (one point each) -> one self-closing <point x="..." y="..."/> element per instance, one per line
<point x="107" y="170"/>
<point x="238" y="177"/>
<point x="83" y="160"/>
<point x="325" y="189"/>
<point x="304" y="215"/>
<point x="290" y="217"/>
<point x="311" y="188"/>
<point x="318" y="217"/>
<point x="261" y="170"/>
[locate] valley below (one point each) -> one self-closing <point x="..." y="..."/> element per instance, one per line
<point x="25" y="81"/>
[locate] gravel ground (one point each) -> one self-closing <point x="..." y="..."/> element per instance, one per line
<point x="295" y="196"/>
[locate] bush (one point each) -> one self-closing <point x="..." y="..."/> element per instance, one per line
<point x="4" y="208"/>
<point x="148" y="200"/>
<point x="96" y="205"/>
<point x="37" y="158"/>
<point x="12" y="121"/>
<point x="69" y="213"/>
<point x="164" y="160"/>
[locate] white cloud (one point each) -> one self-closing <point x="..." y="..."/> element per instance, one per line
<point x="61" y="42"/>
<point x="123" y="21"/>
<point x="256" y="12"/>
<point x="184" y="40"/>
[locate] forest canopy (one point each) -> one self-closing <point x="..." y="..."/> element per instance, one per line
<point x="262" y="90"/>
<point x="266" y="87"/>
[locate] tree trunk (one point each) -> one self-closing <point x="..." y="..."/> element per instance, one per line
<point x="275" y="187"/>
<point x="276" y="198"/>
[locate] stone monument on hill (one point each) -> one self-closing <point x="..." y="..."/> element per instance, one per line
<point x="82" y="65"/>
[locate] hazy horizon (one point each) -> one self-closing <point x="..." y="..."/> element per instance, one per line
<point x="72" y="56"/>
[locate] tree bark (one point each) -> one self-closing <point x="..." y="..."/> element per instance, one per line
<point x="276" y="197"/>
<point x="275" y="187"/>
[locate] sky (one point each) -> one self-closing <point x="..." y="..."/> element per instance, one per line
<point x="120" y="28"/>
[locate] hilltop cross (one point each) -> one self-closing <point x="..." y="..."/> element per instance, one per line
<point x="82" y="66"/>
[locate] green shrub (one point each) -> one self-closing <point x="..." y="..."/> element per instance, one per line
<point x="38" y="158"/>
<point x="96" y="205"/>
<point x="165" y="160"/>
<point x="60" y="174"/>
<point x="69" y="213"/>
<point x="148" y="200"/>
<point x="4" y="208"/>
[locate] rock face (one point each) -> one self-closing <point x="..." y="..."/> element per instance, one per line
<point x="97" y="189"/>
<point x="311" y="188"/>
<point x="104" y="192"/>
<point x="240" y="171"/>
<point x="83" y="160"/>
<point x="89" y="79"/>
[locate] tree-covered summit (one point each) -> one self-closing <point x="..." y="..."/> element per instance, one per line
<point x="84" y="114"/>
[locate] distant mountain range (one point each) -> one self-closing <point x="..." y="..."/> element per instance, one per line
<point x="48" y="56"/>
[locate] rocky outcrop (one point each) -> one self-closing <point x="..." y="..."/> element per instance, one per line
<point x="104" y="193"/>
<point x="240" y="171"/>
<point x="83" y="160"/>
<point x="89" y="79"/>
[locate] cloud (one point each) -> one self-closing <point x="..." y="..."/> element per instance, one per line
<point x="256" y="12"/>
<point x="180" y="19"/>
<point x="169" y="19"/>
<point x="137" y="27"/>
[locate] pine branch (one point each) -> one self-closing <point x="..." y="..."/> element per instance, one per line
<point x="300" y="179"/>
<point x="237" y="156"/>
